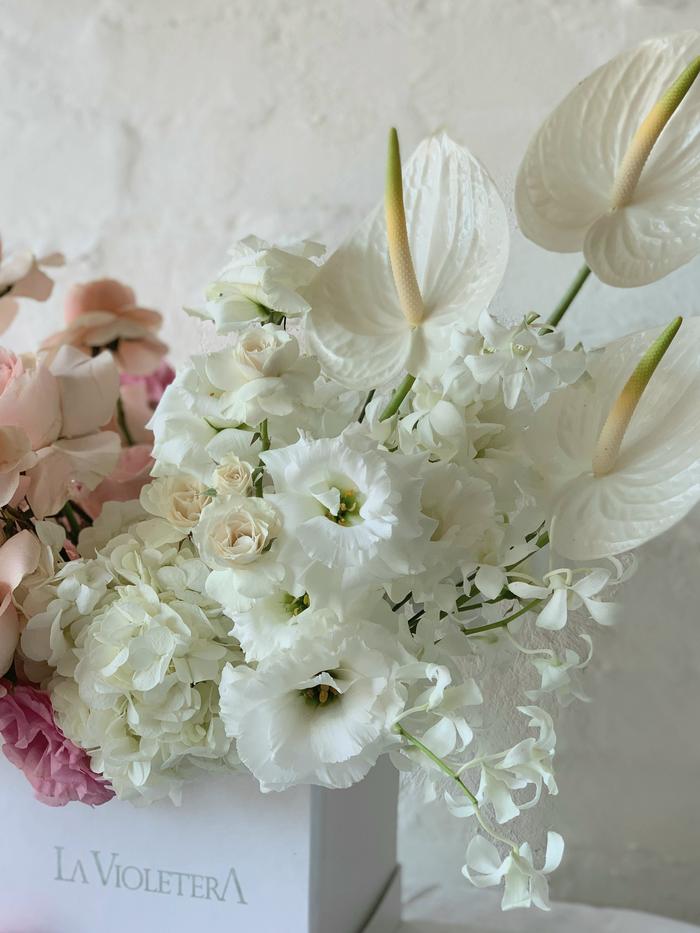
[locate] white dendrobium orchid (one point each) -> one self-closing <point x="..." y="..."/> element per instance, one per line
<point x="260" y="280"/>
<point x="321" y="714"/>
<point x="614" y="171"/>
<point x="348" y="504"/>
<point x="528" y="357"/>
<point x="564" y="593"/>
<point x="559" y="674"/>
<point x="648" y="474"/>
<point x="524" y="884"/>
<point x="369" y="325"/>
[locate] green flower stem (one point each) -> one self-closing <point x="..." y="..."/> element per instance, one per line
<point x="397" y="398"/>
<point x="121" y="421"/>
<point x="442" y="765"/>
<point x="568" y="298"/>
<point x="74" y="525"/>
<point x="502" y="622"/>
<point x="362" y="414"/>
<point x="265" y="445"/>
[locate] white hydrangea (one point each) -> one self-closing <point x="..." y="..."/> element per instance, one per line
<point x="138" y="649"/>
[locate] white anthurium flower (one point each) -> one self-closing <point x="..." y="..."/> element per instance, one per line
<point x="525" y="885"/>
<point x="614" y="171"/>
<point x="648" y="459"/>
<point x="259" y="279"/>
<point x="369" y="325"/>
<point x="562" y="592"/>
<point x="559" y="674"/>
<point x="347" y="504"/>
<point x="321" y="713"/>
<point x="527" y="357"/>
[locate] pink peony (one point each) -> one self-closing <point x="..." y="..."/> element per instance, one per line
<point x="104" y="314"/>
<point x="125" y="482"/>
<point x="56" y="768"/>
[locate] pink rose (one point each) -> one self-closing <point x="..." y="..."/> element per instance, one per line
<point x="19" y="556"/>
<point x="104" y="314"/>
<point x="122" y="485"/>
<point x="58" y="770"/>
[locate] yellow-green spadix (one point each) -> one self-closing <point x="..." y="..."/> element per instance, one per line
<point x="619" y="454"/>
<point x="428" y="258"/>
<point x="614" y="171"/>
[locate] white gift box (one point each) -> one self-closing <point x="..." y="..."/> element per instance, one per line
<point x="230" y="859"/>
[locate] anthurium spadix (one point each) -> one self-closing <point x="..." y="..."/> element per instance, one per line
<point x="614" y="171"/>
<point x="433" y="256"/>
<point x="619" y="453"/>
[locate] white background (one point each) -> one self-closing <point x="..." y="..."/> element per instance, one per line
<point x="141" y="137"/>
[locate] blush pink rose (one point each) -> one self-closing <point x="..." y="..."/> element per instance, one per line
<point x="29" y="398"/>
<point x="58" y="770"/>
<point x="19" y="556"/>
<point x="104" y="314"/>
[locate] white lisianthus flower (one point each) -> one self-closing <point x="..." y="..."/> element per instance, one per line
<point x="320" y="714"/>
<point x="463" y="509"/>
<point x="263" y="374"/>
<point x="138" y="649"/>
<point x="591" y="181"/>
<point x="527" y="357"/>
<point x="178" y="499"/>
<point x="443" y="426"/>
<point x="181" y="432"/>
<point x="524" y="884"/>
<point x="349" y="504"/>
<point x="259" y="279"/>
<point x="458" y="238"/>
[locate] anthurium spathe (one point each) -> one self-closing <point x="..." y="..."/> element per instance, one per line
<point x="653" y="479"/>
<point x="614" y="171"/>
<point x="369" y="324"/>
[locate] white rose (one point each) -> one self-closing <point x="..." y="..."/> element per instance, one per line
<point x="233" y="475"/>
<point x="178" y="499"/>
<point x="234" y="531"/>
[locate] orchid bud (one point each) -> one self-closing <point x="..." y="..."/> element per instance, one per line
<point x="399" y="250"/>
<point x="617" y="422"/>
<point x="646" y="136"/>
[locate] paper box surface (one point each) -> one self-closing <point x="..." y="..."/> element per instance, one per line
<point x="230" y="860"/>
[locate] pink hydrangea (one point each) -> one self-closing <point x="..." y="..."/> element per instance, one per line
<point x="56" y="768"/>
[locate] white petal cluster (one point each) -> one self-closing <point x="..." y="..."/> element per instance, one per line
<point x="258" y="281"/>
<point x="137" y="650"/>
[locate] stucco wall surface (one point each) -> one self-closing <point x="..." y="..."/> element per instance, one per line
<point x="142" y="136"/>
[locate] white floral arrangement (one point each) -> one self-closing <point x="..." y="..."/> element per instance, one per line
<point x="376" y="520"/>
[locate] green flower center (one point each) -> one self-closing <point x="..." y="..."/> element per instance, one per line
<point x="349" y="508"/>
<point x="295" y="605"/>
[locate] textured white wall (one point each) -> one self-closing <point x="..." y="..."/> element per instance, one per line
<point x="141" y="136"/>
